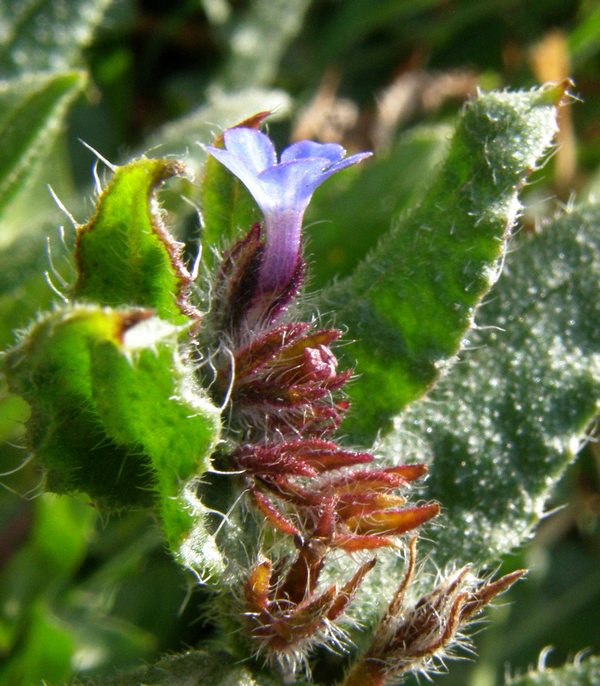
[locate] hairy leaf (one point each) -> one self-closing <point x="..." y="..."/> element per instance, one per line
<point x="259" y="39"/>
<point x="502" y="427"/>
<point x="46" y="34"/>
<point x="195" y="668"/>
<point x="124" y="254"/>
<point x="360" y="202"/>
<point x="13" y="411"/>
<point x="581" y="673"/>
<point x="115" y="412"/>
<point x="32" y="110"/>
<point x="408" y="305"/>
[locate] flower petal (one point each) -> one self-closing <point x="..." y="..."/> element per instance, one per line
<point x="303" y="149"/>
<point x="252" y="146"/>
<point x="290" y="185"/>
<point x="347" y="162"/>
<point x="244" y="172"/>
<point x="282" y="191"/>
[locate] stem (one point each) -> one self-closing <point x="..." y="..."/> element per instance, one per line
<point x="365" y="672"/>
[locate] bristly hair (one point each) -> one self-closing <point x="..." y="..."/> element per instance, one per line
<point x="278" y="379"/>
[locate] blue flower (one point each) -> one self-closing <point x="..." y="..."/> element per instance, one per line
<point x="281" y="189"/>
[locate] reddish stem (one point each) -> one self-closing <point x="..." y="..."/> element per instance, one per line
<point x="365" y="673"/>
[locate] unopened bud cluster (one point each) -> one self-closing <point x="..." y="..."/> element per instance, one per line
<point x="281" y="382"/>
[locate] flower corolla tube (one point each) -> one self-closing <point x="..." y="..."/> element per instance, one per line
<point x="282" y="190"/>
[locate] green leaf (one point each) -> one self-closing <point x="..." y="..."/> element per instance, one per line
<point x="23" y="289"/>
<point x="582" y="39"/>
<point x="115" y="411"/>
<point x="258" y="41"/>
<point x="151" y="400"/>
<point x="361" y="201"/>
<point x="50" y="368"/>
<point x="14" y="411"/>
<point x="46" y="34"/>
<point x="221" y="110"/>
<point x="124" y="254"/>
<point x="502" y="427"/>
<point x="35" y="643"/>
<point x="408" y="305"/>
<point x="195" y="668"/>
<point x="581" y="673"/>
<point x="47" y="651"/>
<point x="355" y="21"/>
<point x="39" y="562"/>
<point x="32" y="111"/>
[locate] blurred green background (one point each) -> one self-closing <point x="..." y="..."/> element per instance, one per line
<point x="80" y="592"/>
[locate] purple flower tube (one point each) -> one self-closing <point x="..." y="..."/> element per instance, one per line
<point x="282" y="190"/>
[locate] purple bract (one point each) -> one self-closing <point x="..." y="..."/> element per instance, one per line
<point x="281" y="189"/>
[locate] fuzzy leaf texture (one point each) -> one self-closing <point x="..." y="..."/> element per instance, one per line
<point x="504" y="424"/>
<point x="114" y="412"/>
<point x="259" y="40"/>
<point x="365" y="197"/>
<point x="124" y="254"/>
<point x="32" y="110"/>
<point x="195" y="668"/>
<point x="46" y="35"/>
<point x="409" y="303"/>
<point x="581" y="673"/>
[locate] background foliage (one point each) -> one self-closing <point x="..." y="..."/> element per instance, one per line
<point x="86" y="595"/>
